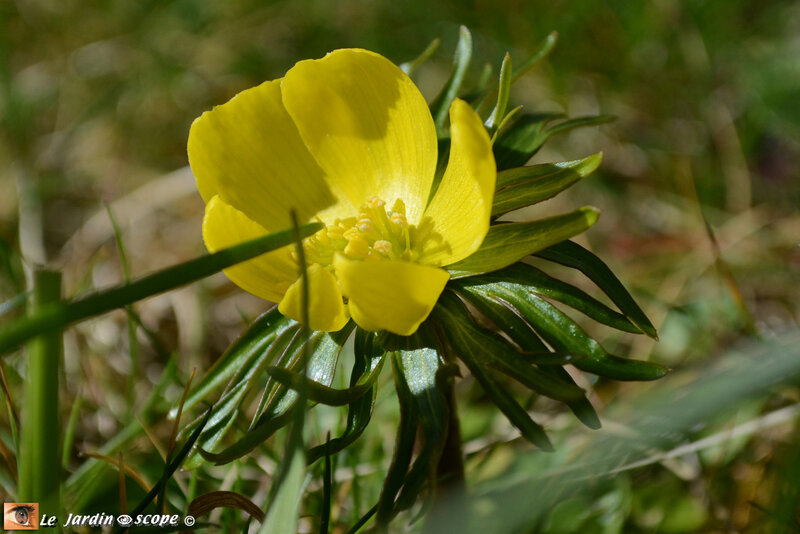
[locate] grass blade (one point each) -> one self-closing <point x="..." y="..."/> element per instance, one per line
<point x="38" y="455"/>
<point x="61" y="314"/>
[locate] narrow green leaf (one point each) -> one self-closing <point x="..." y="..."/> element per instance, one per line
<point x="525" y="186"/>
<point x="510" y="242"/>
<point x="274" y="394"/>
<point x="578" y="122"/>
<point x="249" y="441"/>
<point x="226" y="409"/>
<point x="282" y="350"/>
<point x="223" y="416"/>
<point x="563" y="334"/>
<point x="546" y="286"/>
<point x="324" y="349"/>
<point x="523" y="335"/>
<point x="500" y="318"/>
<point x="401" y="457"/>
<point x="573" y="255"/>
<point x="582" y="408"/>
<point x="542" y="52"/>
<point x="409" y="67"/>
<point x="440" y="107"/>
<point x="323" y="394"/>
<point x="499" y="111"/>
<point x="503" y="317"/>
<point x="517" y="143"/>
<point x="508" y="119"/>
<point x="544" y="172"/>
<point x="493" y="351"/>
<point x="515" y="413"/>
<point x="528" y="134"/>
<point x="321" y="366"/>
<point x="241" y="355"/>
<point x="368" y="355"/>
<point x="60" y="314"/>
<point x="422" y="369"/>
<point x="544" y="49"/>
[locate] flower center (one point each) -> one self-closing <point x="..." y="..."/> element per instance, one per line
<point x="376" y="234"/>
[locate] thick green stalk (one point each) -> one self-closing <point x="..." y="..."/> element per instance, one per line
<point x="38" y="457"/>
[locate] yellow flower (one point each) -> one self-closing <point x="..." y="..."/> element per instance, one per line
<point x="347" y="140"/>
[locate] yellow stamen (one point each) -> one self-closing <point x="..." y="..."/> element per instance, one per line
<point x="383" y="246"/>
<point x="376" y="234"/>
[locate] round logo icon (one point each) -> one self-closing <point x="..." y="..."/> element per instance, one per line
<point x="124" y="520"/>
<point x="188" y="520"/>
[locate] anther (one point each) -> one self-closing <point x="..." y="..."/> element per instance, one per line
<point x="399" y="221"/>
<point x="376" y="234"/>
<point x="383" y="246"/>
<point x="365" y="225"/>
<point x="375" y="202"/>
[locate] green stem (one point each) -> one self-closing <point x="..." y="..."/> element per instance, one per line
<point x="39" y="458"/>
<point x="60" y="314"/>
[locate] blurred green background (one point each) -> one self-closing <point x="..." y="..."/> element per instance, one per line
<point x="699" y="188"/>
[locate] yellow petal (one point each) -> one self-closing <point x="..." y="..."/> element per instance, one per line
<point x="248" y="152"/>
<point x="326" y="310"/>
<point x="367" y="125"/>
<point x="460" y="210"/>
<point x="389" y="295"/>
<point x="267" y="276"/>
